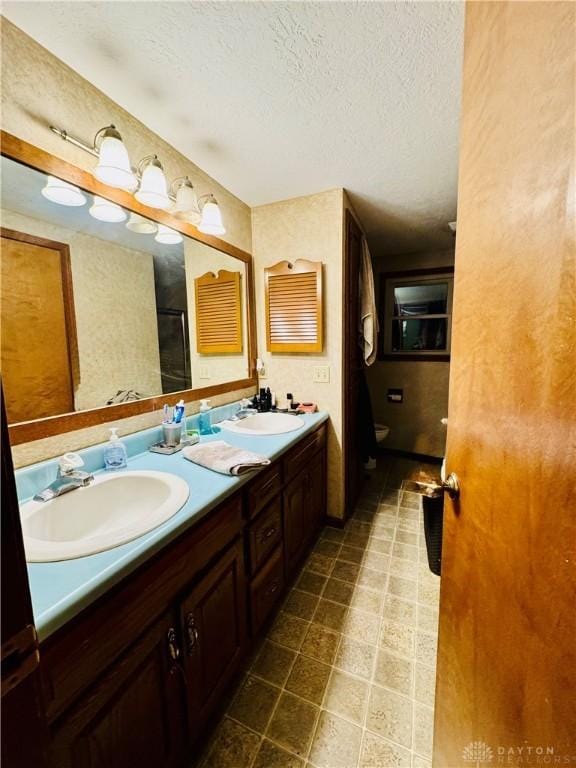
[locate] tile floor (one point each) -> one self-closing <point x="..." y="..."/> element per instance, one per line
<point x="345" y="676"/>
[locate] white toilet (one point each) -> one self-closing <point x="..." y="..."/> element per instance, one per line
<point x="381" y="432"/>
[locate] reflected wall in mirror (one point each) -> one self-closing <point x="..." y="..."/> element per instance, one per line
<point x="98" y="304"/>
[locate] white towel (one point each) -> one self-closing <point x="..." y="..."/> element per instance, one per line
<point x="368" y="313"/>
<point x="224" y="458"/>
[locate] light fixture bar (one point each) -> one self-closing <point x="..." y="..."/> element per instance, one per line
<point x="73" y="140"/>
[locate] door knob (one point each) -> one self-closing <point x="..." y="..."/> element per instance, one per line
<point x="451" y="486"/>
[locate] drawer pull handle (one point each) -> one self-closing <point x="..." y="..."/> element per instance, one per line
<point x="173" y="650"/>
<point x="265" y="535"/>
<point x="192" y="632"/>
<point x="273" y="587"/>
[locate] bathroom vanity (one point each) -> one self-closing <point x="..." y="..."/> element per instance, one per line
<point x="135" y="677"/>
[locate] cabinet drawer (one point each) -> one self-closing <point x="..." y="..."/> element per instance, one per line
<point x="265" y="533"/>
<point x="263" y="488"/>
<point x="299" y="456"/>
<point x="265" y="590"/>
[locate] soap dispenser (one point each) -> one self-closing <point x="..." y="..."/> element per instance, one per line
<point x="115" y="455"/>
<point x="205" y="420"/>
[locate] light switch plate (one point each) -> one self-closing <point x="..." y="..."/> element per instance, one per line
<point x="204" y="372"/>
<point x="321" y="374"/>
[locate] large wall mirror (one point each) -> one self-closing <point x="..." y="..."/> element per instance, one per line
<point x="106" y="306"/>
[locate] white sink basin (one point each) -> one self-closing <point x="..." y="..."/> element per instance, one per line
<point x="114" y="509"/>
<point x="265" y="424"/>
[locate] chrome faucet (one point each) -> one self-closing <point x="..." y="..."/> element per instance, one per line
<point x="245" y="409"/>
<point x="68" y="478"/>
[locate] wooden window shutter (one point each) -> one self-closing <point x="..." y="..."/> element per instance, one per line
<point x="218" y="313"/>
<point x="294" y="306"/>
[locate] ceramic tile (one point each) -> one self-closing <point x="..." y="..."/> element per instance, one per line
<point x="426" y="648"/>
<point x="339" y="591"/>
<point x="397" y="638"/>
<point x="427" y="619"/>
<point x="320" y="564"/>
<point x="346" y="696"/>
<point x="410" y="500"/>
<point x="345" y="571"/>
<point x="379" y="753"/>
<point x="301" y="604"/>
<point x="425" y="686"/>
<point x="311" y="582"/>
<point x="336" y="743"/>
<point x="361" y="626"/>
<point x="393" y="672"/>
<point x="405" y="588"/>
<point x="327" y="548"/>
<point x="376" y="561"/>
<point x="273" y="663"/>
<point x="367" y="600"/>
<point x="355" y="657"/>
<point x="380" y="545"/>
<point x="403" y="568"/>
<point x="423" y="730"/>
<point x="397" y="609"/>
<point x="253" y="704"/>
<point x="367" y="577"/>
<point x="288" y="630"/>
<point x="429" y="592"/>
<point x="321" y="643"/>
<point x="292" y="724"/>
<point x="389" y="496"/>
<point x="271" y="756"/>
<point x="405" y="551"/>
<point x="420" y="762"/>
<point x="357" y="538"/>
<point x="332" y="534"/>
<point x="330" y="614"/>
<point x="351" y="554"/>
<point x="407" y="537"/>
<point x="308" y="679"/>
<point x="234" y="746"/>
<point x="390" y="716"/>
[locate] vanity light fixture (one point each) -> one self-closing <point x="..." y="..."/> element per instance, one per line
<point x="211" y="223"/>
<point x="113" y="166"/>
<point x="185" y="205"/>
<point x="167" y="236"/>
<point x="153" y="190"/>
<point x="63" y="193"/>
<point x="104" y="210"/>
<point x="140" y="225"/>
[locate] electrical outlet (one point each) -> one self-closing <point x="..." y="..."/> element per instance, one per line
<point x="321" y="374"/>
<point x="204" y="372"/>
<point x="263" y="373"/>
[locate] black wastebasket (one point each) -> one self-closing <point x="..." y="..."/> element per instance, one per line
<point x="433" y="519"/>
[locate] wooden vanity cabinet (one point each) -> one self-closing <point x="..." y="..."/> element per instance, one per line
<point x="213" y="621"/>
<point x="136" y="677"/>
<point x="133" y="714"/>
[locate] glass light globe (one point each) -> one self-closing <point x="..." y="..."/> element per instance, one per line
<point x="153" y="190"/>
<point x="114" y="166"/>
<point x="104" y="210"/>
<point x="58" y="191"/>
<point x="140" y="225"/>
<point x="167" y="236"/>
<point x="211" y="223"/>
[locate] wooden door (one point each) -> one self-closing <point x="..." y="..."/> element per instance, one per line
<point x="213" y="620"/>
<point x="506" y="677"/>
<point x="294" y="521"/>
<point x="352" y="366"/>
<point x="39" y="353"/>
<point x="134" y="715"/>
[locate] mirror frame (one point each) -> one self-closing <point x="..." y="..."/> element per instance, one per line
<point x="40" y="160"/>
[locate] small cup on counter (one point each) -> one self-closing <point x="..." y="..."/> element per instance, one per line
<point x="172" y="434"/>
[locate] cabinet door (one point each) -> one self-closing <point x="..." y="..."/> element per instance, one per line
<point x="295" y="529"/>
<point x="133" y="715"/>
<point x="317" y="493"/>
<point x="213" y="619"/>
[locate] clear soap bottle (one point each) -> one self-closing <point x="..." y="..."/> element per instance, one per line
<point x="115" y="454"/>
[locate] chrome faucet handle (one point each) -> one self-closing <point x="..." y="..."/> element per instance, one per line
<point x="69" y="463"/>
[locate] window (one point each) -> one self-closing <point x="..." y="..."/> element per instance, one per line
<point x="417" y="315"/>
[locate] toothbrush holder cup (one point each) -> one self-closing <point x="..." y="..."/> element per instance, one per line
<point x="172" y="434"/>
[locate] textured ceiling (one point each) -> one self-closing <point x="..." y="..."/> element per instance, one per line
<point x="281" y="99"/>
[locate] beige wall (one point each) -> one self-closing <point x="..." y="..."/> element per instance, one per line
<point x="115" y="310"/>
<point x="39" y="90"/>
<point x="311" y="228"/>
<point x="199" y="259"/>
<point x="414" y="424"/>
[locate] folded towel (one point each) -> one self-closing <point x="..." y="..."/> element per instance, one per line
<point x="224" y="458"/>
